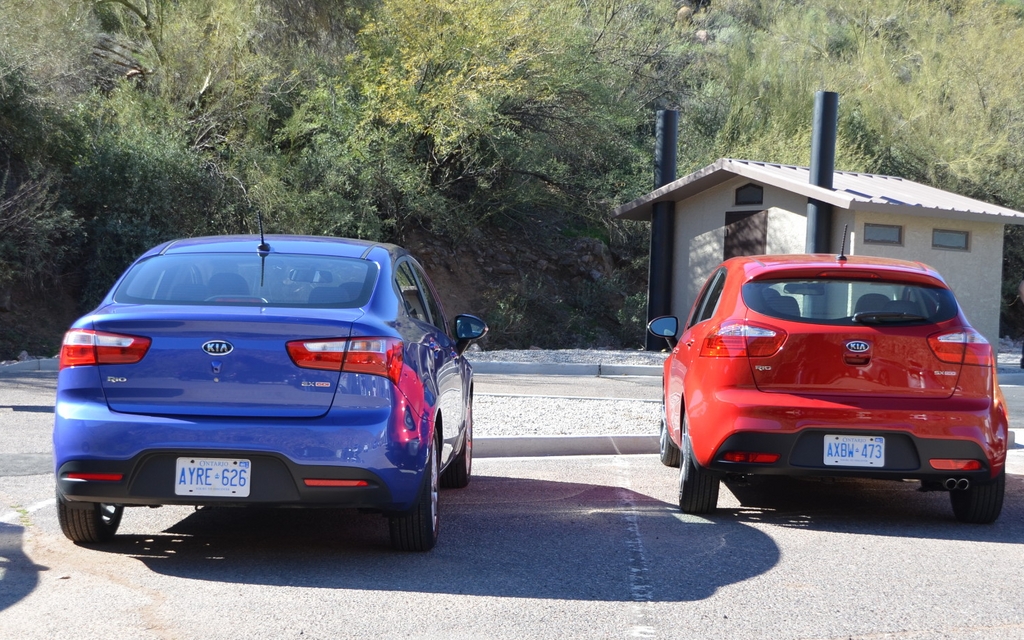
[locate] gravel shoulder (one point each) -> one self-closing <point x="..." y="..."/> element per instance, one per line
<point x="532" y="416"/>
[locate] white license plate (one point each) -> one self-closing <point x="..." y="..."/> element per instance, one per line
<point x="855" y="451"/>
<point x="224" y="477"/>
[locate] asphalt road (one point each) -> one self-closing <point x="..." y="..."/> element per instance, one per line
<point x="572" y="547"/>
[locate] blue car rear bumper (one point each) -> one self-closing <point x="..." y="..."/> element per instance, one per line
<point x="343" y="444"/>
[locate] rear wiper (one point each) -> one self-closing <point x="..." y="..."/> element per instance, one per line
<point x="879" y="317"/>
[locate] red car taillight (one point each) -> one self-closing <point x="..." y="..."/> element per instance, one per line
<point x="84" y="347"/>
<point x="962" y="346"/>
<point x="954" y="464"/>
<point x="751" y="457"/>
<point x="376" y="356"/>
<point x="738" y="339"/>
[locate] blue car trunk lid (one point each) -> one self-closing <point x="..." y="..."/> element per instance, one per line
<point x="228" y="361"/>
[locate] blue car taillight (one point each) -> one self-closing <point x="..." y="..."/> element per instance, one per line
<point x="85" y="347"/>
<point x="375" y="356"/>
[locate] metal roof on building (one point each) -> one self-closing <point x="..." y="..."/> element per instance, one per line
<point x="853" y="191"/>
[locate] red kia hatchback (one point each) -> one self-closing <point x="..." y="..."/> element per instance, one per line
<point x="818" y="365"/>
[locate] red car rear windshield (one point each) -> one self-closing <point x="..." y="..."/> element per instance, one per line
<point x="279" y="280"/>
<point x="847" y="302"/>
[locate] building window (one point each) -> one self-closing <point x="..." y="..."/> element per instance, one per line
<point x="946" y="239"/>
<point x="883" y="234"/>
<point x="750" y="194"/>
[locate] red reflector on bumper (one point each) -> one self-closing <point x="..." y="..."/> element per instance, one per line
<point x="326" y="482"/>
<point x="953" y="464"/>
<point x="95" y="477"/>
<point x="749" y="456"/>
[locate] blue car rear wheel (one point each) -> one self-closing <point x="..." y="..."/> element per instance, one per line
<point x="96" y="523"/>
<point x="416" y="529"/>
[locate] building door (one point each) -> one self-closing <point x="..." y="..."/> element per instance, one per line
<point x="746" y="233"/>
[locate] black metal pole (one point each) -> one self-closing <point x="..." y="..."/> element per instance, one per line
<point x="822" y="169"/>
<point x="659" y="280"/>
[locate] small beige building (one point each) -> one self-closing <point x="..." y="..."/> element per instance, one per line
<point x="742" y="207"/>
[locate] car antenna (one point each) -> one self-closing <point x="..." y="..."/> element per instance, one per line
<point x="842" y="247"/>
<point x="263" y="249"/>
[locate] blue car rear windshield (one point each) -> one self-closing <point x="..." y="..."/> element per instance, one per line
<point x="279" y="280"/>
<point x="850" y="302"/>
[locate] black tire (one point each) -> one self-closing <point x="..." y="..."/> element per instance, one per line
<point x="698" y="488"/>
<point x="459" y="470"/>
<point x="95" y="524"/>
<point x="668" y="451"/>
<point x="981" y="503"/>
<point x="416" y="529"/>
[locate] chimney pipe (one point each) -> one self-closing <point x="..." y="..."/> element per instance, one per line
<point x="822" y="170"/>
<point x="659" y="280"/>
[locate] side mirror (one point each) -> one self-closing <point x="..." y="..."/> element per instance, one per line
<point x="665" y="327"/>
<point x="467" y="329"/>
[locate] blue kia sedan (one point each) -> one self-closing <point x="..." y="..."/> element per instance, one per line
<point x="288" y="371"/>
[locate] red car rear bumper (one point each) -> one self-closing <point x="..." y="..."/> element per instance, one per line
<point x="916" y="431"/>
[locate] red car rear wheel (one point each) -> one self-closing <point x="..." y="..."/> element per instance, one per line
<point x="698" y="488"/>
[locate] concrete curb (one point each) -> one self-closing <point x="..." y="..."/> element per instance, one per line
<point x="566" y="369"/>
<point x="1012" y="379"/>
<point x="43" y="364"/>
<point x="539" y="446"/>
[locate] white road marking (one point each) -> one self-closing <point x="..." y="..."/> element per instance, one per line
<point x="14" y="517"/>
<point x="640" y="587"/>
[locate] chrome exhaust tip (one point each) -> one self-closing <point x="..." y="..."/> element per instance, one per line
<point x="963" y="483"/>
<point x="949" y="484"/>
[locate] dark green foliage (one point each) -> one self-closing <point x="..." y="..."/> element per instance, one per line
<point x="38" y="237"/>
<point x="139" y="186"/>
<point x="530" y="313"/>
<point x="143" y="121"/>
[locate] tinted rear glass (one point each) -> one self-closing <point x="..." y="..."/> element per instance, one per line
<point x="281" y="280"/>
<point x="849" y="301"/>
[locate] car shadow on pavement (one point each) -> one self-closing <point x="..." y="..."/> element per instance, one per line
<point x="500" y="536"/>
<point x="870" y="507"/>
<point x="18" y="575"/>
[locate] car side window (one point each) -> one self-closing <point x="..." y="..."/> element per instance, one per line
<point x="709" y="300"/>
<point x="433" y="304"/>
<point x="410" y="292"/>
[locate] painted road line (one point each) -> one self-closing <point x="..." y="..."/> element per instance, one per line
<point x="14" y="517"/>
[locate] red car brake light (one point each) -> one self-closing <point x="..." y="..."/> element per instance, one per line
<point x="954" y="464"/>
<point x="375" y="356"/>
<point x="751" y="457"/>
<point x="743" y="339"/>
<point x="961" y="346"/>
<point x="85" y="347"/>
